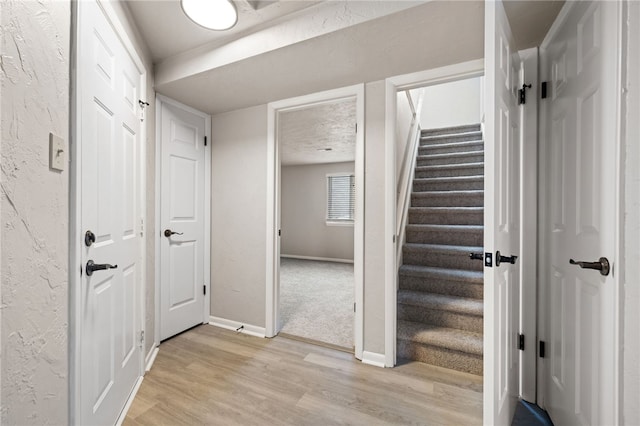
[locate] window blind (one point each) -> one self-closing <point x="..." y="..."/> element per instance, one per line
<point x="340" y="197"/>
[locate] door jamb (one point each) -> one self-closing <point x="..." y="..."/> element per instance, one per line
<point x="160" y="100"/>
<point x="460" y="71"/>
<point x="273" y="207"/>
<point x="75" y="202"/>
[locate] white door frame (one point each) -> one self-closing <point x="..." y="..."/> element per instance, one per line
<point x="617" y="267"/>
<point x="273" y="204"/>
<point x="416" y="80"/>
<point x="75" y="203"/>
<point x="160" y="99"/>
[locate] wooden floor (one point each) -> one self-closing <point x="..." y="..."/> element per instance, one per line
<point x="217" y="377"/>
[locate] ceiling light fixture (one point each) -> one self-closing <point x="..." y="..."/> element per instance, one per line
<point x="216" y="15"/>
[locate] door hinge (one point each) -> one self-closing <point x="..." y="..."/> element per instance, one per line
<point x="541" y="352"/>
<point x="356" y="127"/>
<point x="205" y="141"/>
<point x="488" y="260"/>
<point x="354" y="307"/>
<point x="142" y="227"/>
<point x="141" y="338"/>
<point x="204" y="289"/>
<point x="279" y="232"/>
<point x="543" y="90"/>
<point x="522" y="94"/>
<point x="521" y="342"/>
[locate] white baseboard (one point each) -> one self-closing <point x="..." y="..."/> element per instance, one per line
<point x="132" y="396"/>
<point x="151" y="357"/>
<point x="251" y="330"/>
<point x="324" y="259"/>
<point x="372" y="358"/>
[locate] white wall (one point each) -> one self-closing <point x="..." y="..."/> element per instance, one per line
<point x="304" y="210"/>
<point x="452" y="104"/>
<point x="35" y="202"/>
<point x="238" y="230"/>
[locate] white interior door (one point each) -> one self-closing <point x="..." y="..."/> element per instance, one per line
<point x="581" y="63"/>
<point x="110" y="86"/>
<point x="182" y="219"/>
<point x="501" y="224"/>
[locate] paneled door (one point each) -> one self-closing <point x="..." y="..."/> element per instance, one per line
<point x="182" y="218"/>
<point x="580" y="62"/>
<point x="109" y="87"/>
<point x="502" y="218"/>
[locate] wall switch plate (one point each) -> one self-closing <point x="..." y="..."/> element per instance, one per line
<point x="57" y="152"/>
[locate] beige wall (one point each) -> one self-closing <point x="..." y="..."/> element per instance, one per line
<point x="238" y="209"/>
<point x="35" y="202"/>
<point x="304" y="210"/>
<point x="452" y="104"/>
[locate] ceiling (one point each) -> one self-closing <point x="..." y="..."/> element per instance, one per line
<point x="305" y="134"/>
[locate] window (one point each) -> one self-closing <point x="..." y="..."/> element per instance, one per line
<point x="341" y="191"/>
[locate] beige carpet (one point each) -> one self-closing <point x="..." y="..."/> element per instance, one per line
<point x="316" y="300"/>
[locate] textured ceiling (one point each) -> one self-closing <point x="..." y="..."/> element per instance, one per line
<point x="305" y="134"/>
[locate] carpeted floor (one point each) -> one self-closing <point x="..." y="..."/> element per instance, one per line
<point x="316" y="300"/>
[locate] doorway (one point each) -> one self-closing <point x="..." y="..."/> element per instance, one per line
<point x="342" y="173"/>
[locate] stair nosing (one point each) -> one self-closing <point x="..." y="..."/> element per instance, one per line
<point x="446" y="227"/>
<point x="443" y="302"/>
<point x="470" y="178"/>
<point x="446" y="274"/>
<point x="451" y="166"/>
<point x="457" y="343"/>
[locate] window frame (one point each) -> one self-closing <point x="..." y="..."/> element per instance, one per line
<point x="339" y="222"/>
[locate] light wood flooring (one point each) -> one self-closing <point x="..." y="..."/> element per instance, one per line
<point x="217" y="377"/>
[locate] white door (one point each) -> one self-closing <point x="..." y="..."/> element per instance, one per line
<point x="109" y="114"/>
<point x="501" y="224"/>
<point x="581" y="65"/>
<point x="182" y="219"/>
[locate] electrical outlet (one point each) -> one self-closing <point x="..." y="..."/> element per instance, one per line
<point x="57" y="153"/>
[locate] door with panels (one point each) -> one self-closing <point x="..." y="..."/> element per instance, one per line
<point x="502" y="218"/>
<point x="109" y="87"/>
<point x="580" y="62"/>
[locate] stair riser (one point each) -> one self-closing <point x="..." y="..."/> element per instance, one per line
<point x="454" y="360"/>
<point x="440" y="318"/>
<point x="450" y="172"/>
<point x="446" y="218"/>
<point x="440" y="260"/>
<point x="452" y="130"/>
<point x="430" y="149"/>
<point x="436" y="139"/>
<point x="465" y="185"/>
<point x="447" y="200"/>
<point x="450" y="159"/>
<point x="451" y="288"/>
<point x="449" y="237"/>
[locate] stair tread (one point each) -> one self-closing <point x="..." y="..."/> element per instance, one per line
<point x="450" y="155"/>
<point x="433" y="137"/>
<point x="442" y="247"/>
<point x="450" y="166"/>
<point x="447" y="209"/>
<point x="473" y="127"/>
<point x="449" y="338"/>
<point x="441" y="302"/>
<point x="450" y="178"/>
<point x="451" y="144"/>
<point x="445" y="274"/>
<point x="447" y="227"/>
<point x="452" y="192"/>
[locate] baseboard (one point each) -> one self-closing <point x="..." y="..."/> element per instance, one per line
<point x="132" y="396"/>
<point x="251" y="330"/>
<point x="324" y="259"/>
<point x="151" y="357"/>
<point x="372" y="358"/>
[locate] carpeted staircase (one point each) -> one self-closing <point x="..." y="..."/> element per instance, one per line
<point x="440" y="307"/>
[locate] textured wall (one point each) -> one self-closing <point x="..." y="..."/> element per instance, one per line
<point x="304" y="213"/>
<point x="34" y="72"/>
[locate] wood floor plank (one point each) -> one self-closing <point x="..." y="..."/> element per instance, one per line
<point x="217" y="377"/>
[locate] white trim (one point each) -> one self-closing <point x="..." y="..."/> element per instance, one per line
<point x="322" y="259"/>
<point x="160" y="100"/>
<point x="151" y="358"/>
<point x="132" y="396"/>
<point x="273" y="178"/>
<point x="375" y="359"/>
<point x="431" y="77"/>
<point x="75" y="202"/>
<point x="251" y="330"/>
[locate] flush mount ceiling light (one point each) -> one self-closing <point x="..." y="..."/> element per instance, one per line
<point x="211" y="14"/>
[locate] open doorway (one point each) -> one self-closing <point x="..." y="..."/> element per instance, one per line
<point x="317" y="212"/>
<point x="316" y="216"/>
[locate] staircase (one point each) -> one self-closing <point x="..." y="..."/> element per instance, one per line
<point x="440" y="306"/>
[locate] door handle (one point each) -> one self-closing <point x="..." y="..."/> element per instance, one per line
<point x="91" y="266"/>
<point x="169" y="232"/>
<point x="500" y="259"/>
<point x="601" y="265"/>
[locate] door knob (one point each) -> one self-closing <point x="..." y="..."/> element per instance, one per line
<point x="601" y="265"/>
<point x="91" y="266"/>
<point x="169" y="232"/>
<point x="500" y="258"/>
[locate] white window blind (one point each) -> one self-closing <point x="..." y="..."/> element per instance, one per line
<point x="340" y="197"/>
